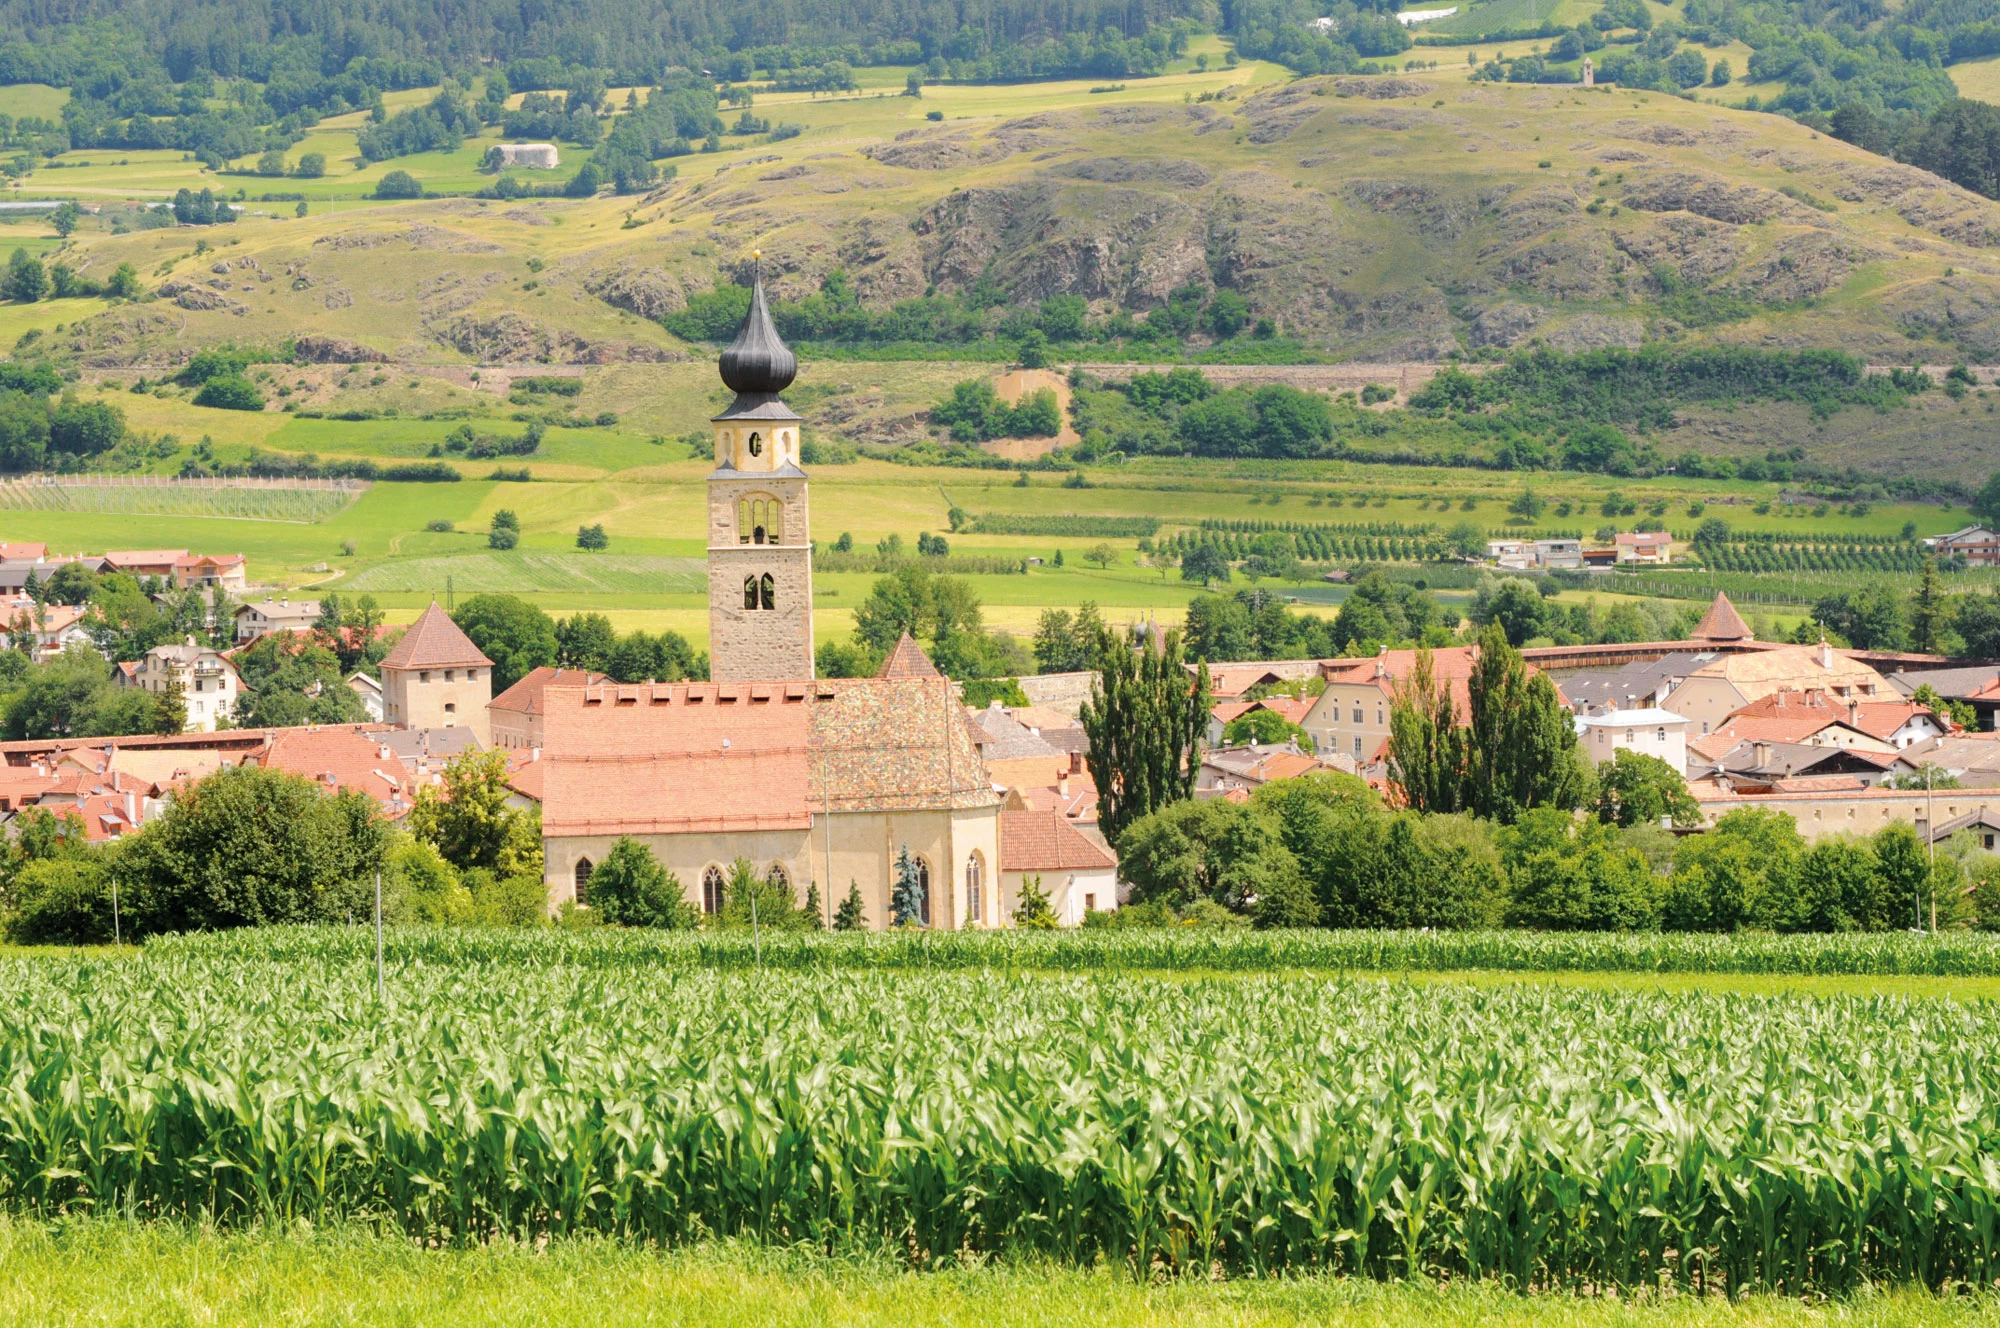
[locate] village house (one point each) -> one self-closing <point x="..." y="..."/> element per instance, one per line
<point x="1644" y="546"/>
<point x="435" y="678"/>
<point x="1712" y="693"/>
<point x="810" y="780"/>
<point x="46" y="629"/>
<point x="1351" y="717"/>
<point x="515" y="716"/>
<point x="208" y="681"/>
<point x="1649" y="732"/>
<point x="1079" y="875"/>
<point x="1978" y="545"/>
<point x="262" y="617"/>
<point x="228" y="571"/>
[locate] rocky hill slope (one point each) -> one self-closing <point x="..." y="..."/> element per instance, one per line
<point x="1387" y="218"/>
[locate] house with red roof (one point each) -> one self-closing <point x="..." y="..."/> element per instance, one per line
<point x="1079" y="875"/>
<point x="435" y="678"/>
<point x="514" y="718"/>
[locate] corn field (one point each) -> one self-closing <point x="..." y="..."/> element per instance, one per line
<point x="1554" y="1138"/>
<point x="1177" y="949"/>
<point x="302" y="504"/>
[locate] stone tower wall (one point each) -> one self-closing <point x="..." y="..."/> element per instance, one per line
<point x="751" y="644"/>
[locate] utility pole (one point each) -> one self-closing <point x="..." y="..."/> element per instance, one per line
<point x="1930" y="850"/>
<point x="378" y="935"/>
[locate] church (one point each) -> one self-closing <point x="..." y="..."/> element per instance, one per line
<point x="814" y="780"/>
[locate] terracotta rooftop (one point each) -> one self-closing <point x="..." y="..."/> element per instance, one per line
<point x="434" y="641"/>
<point x="685" y="758"/>
<point x="1045" y="841"/>
<point x="907" y="660"/>
<point x="1722" y="623"/>
<point x="526" y="695"/>
<point x="20" y="550"/>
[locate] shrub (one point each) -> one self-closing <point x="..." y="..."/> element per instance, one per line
<point x="230" y="392"/>
<point x="398" y="184"/>
<point x="61" y="901"/>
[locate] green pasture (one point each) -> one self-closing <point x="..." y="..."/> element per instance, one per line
<point x="37" y="99"/>
<point x="1497" y="15"/>
<point x="1978" y="80"/>
<point x="17" y="320"/>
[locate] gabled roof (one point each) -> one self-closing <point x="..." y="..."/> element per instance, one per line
<point x="338" y="758"/>
<point x="1881" y="719"/>
<point x="525" y="696"/>
<point x="22" y="549"/>
<point x="1643" y="539"/>
<point x="434" y="641"/>
<point x="907" y="660"/>
<point x="1045" y="841"/>
<point x="1001" y="737"/>
<point x="1722" y="622"/>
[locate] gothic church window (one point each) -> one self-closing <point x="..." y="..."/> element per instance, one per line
<point x="767" y="591"/>
<point x="582" y="879"/>
<point x="975" y="888"/>
<point x="711" y="890"/>
<point x="749" y="592"/>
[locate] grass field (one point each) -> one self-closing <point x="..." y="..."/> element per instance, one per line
<point x="1978" y="80"/>
<point x="136" y="1275"/>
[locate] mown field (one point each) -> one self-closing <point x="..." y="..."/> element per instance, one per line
<point x="1259" y="1123"/>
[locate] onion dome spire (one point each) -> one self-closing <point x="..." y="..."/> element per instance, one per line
<point x="758" y="362"/>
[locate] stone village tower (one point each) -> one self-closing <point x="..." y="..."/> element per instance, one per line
<point x="759" y="540"/>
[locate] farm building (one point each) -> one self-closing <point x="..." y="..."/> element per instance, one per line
<point x="533" y="156"/>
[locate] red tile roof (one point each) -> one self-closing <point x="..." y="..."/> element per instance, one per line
<point x="681" y="758"/>
<point x="1722" y="622"/>
<point x="1036" y="841"/>
<point x="434" y="641"/>
<point x="524" y="772"/>
<point x="22" y="550"/>
<point x="907" y="660"/>
<point x="1881" y="719"/>
<point x="341" y="758"/>
<point x="525" y="696"/>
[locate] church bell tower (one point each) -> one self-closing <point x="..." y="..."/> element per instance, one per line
<point x="759" y="541"/>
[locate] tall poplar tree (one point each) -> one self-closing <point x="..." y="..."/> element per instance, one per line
<point x="1144" y="720"/>
<point x="1521" y="747"/>
<point x="1426" y="742"/>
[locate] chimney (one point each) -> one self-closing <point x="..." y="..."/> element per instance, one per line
<point x="1062" y="784"/>
<point x="1762" y="752"/>
<point x="1825" y="654"/>
<point x="1076" y="763"/>
<point x="131" y="809"/>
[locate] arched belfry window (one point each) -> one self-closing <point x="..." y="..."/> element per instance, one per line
<point x="756" y="444"/>
<point x="767" y="591"/>
<point x="750" y="592"/>
<point x="759" y="520"/>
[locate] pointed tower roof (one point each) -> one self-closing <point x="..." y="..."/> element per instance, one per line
<point x="907" y="660"/>
<point x="758" y="364"/>
<point x="1723" y="623"/>
<point x="435" y="642"/>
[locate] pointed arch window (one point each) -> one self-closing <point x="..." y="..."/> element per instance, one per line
<point x="711" y="890"/>
<point x="767" y="591"/>
<point x="760" y="519"/>
<point x="750" y="592"/>
<point x="779" y="877"/>
<point x="581" y="877"/>
<point x="975" y="888"/>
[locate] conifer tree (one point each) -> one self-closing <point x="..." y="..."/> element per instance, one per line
<point x="815" y="919"/>
<point x="853" y="913"/>
<point x="1926" y="610"/>
<point x="906" y="904"/>
<point x="1034" y="912"/>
